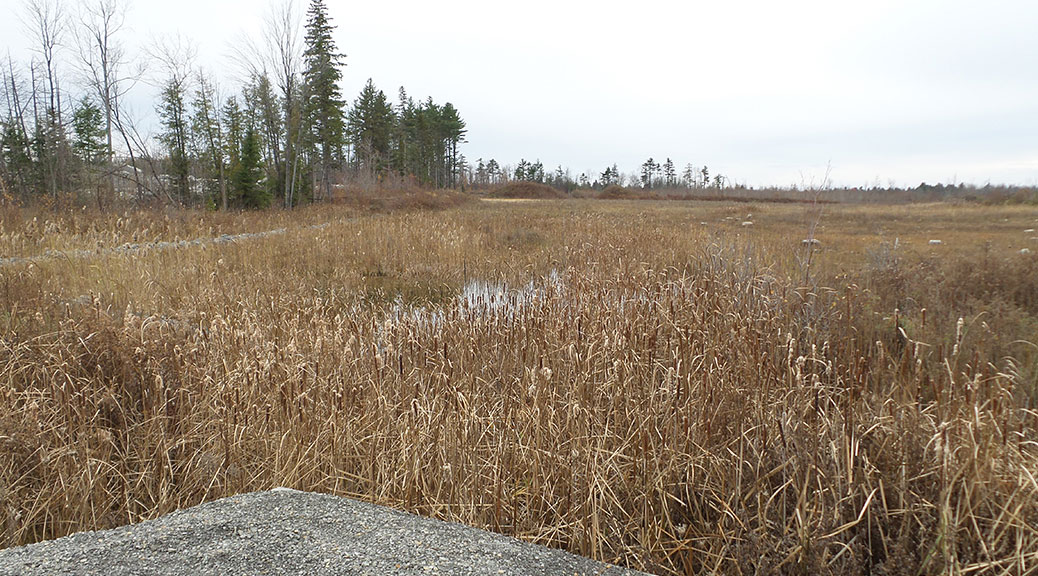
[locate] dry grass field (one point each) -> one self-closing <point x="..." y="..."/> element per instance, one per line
<point x="680" y="387"/>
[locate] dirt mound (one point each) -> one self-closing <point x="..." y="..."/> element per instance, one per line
<point x="528" y="190"/>
<point x="614" y="192"/>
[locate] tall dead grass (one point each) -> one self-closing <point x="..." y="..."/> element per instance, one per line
<point x="668" y="399"/>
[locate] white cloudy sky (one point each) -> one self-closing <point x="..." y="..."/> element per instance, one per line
<point x="766" y="92"/>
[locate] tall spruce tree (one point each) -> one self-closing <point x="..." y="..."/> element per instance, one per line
<point x="16" y="161"/>
<point x="261" y="107"/>
<point x="208" y="138"/>
<point x="453" y="133"/>
<point x="172" y="111"/>
<point x="371" y="125"/>
<point x="88" y="128"/>
<point x="322" y="96"/>
<point x="403" y="134"/>
<point x="88" y="145"/>
<point x="248" y="189"/>
<point x="233" y="132"/>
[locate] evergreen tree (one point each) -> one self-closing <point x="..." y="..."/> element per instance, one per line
<point x="493" y="171"/>
<point x="649" y="169"/>
<point x="610" y="176"/>
<point x="16" y="163"/>
<point x="429" y="143"/>
<point x="535" y="173"/>
<point x="208" y="138"/>
<point x="322" y="96"/>
<point x="688" y="177"/>
<point x="522" y="170"/>
<point x="481" y="173"/>
<point x="263" y="110"/>
<point x="670" y="174"/>
<point x="453" y="128"/>
<point x="89" y="148"/>
<point x="371" y="127"/>
<point x="247" y="187"/>
<point x="88" y="129"/>
<point x="234" y="132"/>
<point x="173" y="115"/>
<point x="403" y="135"/>
<point x="50" y="153"/>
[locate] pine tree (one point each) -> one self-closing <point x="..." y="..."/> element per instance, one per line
<point x="88" y="129"/>
<point x="522" y="171"/>
<point x="173" y="115"/>
<point x="453" y="134"/>
<point x="234" y="132"/>
<point x="649" y="169"/>
<point x="89" y="149"/>
<point x="16" y="158"/>
<point x="247" y="186"/>
<point x="403" y="135"/>
<point x="688" y="177"/>
<point x="493" y="171"/>
<point x="371" y="124"/>
<point x="670" y="174"/>
<point x="263" y="111"/>
<point x="322" y="96"/>
<point x="205" y="124"/>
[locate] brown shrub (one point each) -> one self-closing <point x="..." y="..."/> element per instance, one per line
<point x="525" y="190"/>
<point x="615" y="192"/>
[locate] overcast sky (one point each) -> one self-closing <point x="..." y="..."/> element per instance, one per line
<point x="764" y="92"/>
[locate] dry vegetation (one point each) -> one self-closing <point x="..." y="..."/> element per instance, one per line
<point x="655" y="384"/>
<point x="525" y="190"/>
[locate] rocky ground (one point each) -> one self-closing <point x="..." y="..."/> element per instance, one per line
<point x="283" y="532"/>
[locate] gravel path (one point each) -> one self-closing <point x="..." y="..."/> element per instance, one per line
<point x="299" y="533"/>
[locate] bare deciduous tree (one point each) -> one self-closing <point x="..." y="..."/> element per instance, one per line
<point x="207" y="126"/>
<point x="175" y="56"/>
<point x="109" y="73"/>
<point x="280" y="55"/>
<point x="46" y="23"/>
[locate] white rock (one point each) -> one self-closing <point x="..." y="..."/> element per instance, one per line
<point x="747" y="223"/>
<point x="1025" y="251"/>
<point x="935" y="242"/>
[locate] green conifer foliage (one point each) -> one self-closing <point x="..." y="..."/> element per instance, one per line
<point x="248" y="189"/>
<point x="322" y="96"/>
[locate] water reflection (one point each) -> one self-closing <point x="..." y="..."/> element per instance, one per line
<point x="478" y="299"/>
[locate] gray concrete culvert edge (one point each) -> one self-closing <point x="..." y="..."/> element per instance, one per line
<point x="287" y="532"/>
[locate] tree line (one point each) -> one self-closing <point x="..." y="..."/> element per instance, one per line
<point x="652" y="175"/>
<point x="286" y="136"/>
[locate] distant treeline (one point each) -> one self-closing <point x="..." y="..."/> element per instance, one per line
<point x="286" y="136"/>
<point x="664" y="181"/>
<point x="651" y="176"/>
